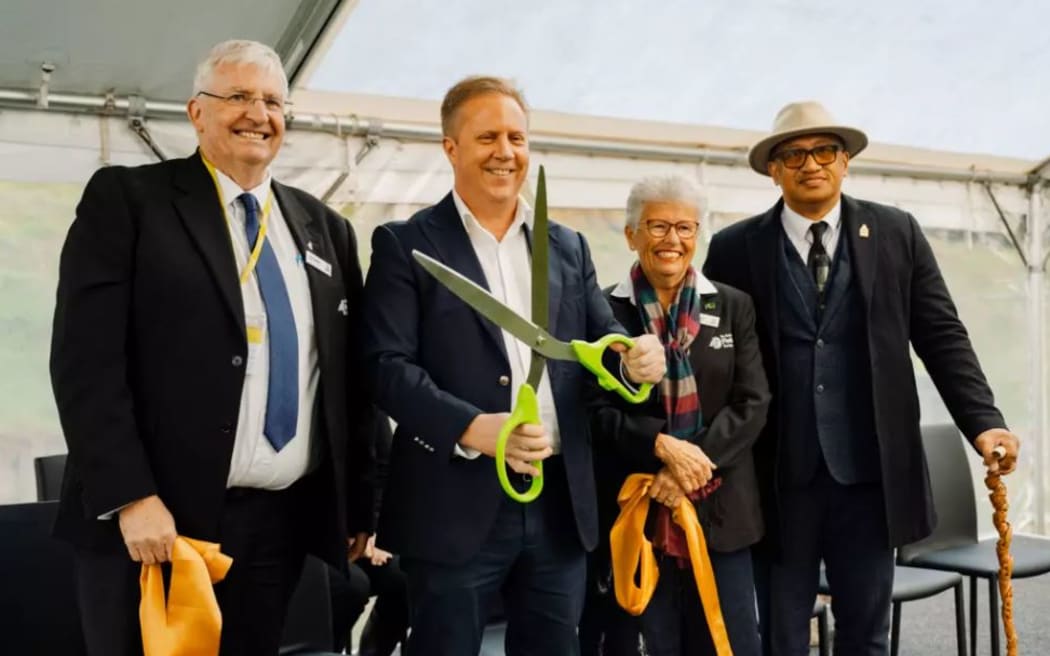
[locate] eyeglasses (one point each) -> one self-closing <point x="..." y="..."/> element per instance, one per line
<point x="659" y="229"/>
<point x="244" y="101"/>
<point x="795" y="158"/>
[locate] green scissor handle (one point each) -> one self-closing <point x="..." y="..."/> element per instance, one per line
<point x="526" y="411"/>
<point x="590" y="356"/>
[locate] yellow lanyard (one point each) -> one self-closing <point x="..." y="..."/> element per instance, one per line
<point x="253" y="258"/>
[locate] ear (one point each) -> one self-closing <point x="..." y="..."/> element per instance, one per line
<point x="845" y="163"/>
<point x="449" y="146"/>
<point x="194" y="111"/>
<point x="628" y="233"/>
<point x="774" y="172"/>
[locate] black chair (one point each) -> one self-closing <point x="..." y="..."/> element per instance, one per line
<point x="38" y="607"/>
<point x="49" y="470"/>
<point x="911" y="583"/>
<point x="308" y="625"/>
<point x="954" y="545"/>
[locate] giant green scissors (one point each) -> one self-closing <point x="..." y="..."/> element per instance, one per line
<point x="535" y="334"/>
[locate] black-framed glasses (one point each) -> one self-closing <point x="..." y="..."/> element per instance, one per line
<point x="659" y="229"/>
<point x="237" y="99"/>
<point x="795" y="158"/>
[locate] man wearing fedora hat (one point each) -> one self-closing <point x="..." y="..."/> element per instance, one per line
<point x="840" y="462"/>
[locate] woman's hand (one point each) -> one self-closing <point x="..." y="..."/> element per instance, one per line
<point x="665" y="489"/>
<point x="689" y="465"/>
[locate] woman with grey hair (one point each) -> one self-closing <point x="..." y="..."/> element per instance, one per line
<point x="693" y="437"/>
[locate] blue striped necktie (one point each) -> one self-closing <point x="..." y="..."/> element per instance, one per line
<point x="282" y="398"/>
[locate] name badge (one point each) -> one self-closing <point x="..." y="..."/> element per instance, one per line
<point x="316" y="262"/>
<point x="255" y="328"/>
<point x="710" y="320"/>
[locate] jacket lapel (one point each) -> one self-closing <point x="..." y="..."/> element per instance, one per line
<point x="326" y="291"/>
<point x="763" y="242"/>
<point x="444" y="229"/>
<point x="863" y="237"/>
<point x="199" y="208"/>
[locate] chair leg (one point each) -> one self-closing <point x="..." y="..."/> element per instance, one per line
<point x="993" y="615"/>
<point x="973" y="615"/>
<point x="824" y="645"/>
<point x="960" y="619"/>
<point x="895" y="629"/>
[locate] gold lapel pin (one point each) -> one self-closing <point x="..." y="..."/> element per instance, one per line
<point x="864" y="232"/>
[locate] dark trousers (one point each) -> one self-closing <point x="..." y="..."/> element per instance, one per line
<point x="387" y="624"/>
<point x="259" y="531"/>
<point x="533" y="556"/>
<point x="349" y="595"/>
<point x="845" y="527"/>
<point x="673" y="623"/>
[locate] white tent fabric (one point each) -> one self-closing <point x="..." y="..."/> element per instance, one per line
<point x="376" y="159"/>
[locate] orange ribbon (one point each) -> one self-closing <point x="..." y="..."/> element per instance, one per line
<point x="632" y="551"/>
<point x="190" y="623"/>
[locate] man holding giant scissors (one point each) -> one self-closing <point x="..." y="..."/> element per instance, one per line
<point x="448" y="376"/>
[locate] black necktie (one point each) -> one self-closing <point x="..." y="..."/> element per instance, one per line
<point x="819" y="262"/>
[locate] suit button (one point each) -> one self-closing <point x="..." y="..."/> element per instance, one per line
<point x="820" y="343"/>
<point x="820" y="388"/>
<point x="237" y="361"/>
<point x="504" y="380"/>
<point x="226" y="429"/>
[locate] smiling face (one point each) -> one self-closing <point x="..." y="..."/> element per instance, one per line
<point x="488" y="148"/>
<point x="813" y="189"/>
<point x="665" y="260"/>
<point x="240" y="141"/>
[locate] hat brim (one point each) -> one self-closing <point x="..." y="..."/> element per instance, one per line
<point x="758" y="156"/>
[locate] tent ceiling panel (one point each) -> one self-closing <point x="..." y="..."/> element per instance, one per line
<point x="147" y="48"/>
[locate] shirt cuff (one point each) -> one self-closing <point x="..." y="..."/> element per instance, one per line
<point x="112" y="513"/>
<point x="465" y="452"/>
<point x="626" y="380"/>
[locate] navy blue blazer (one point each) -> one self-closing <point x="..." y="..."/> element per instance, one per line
<point x="906" y="303"/>
<point x="434" y="364"/>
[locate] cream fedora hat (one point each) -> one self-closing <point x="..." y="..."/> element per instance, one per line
<point x="798" y="119"/>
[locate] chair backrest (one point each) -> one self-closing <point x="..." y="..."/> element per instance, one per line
<point x="953" y="494"/>
<point x="308" y="625"/>
<point x="49" y="470"/>
<point x="38" y="604"/>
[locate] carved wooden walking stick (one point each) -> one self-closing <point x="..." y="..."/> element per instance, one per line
<point x="997" y="492"/>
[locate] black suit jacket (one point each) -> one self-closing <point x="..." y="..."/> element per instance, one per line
<point x="435" y="364"/>
<point x="906" y="302"/>
<point x="149" y="347"/>
<point x="733" y="398"/>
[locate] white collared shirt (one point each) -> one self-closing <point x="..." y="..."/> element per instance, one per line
<point x="797" y="228"/>
<point x="625" y="288"/>
<point x="507" y="265"/>
<point x="254" y="462"/>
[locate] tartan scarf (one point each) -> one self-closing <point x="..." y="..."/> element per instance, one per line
<point x="676" y="329"/>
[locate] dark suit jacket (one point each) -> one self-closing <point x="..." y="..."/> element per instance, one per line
<point x="733" y="398"/>
<point x="148" y="353"/>
<point x="906" y="302"/>
<point x="435" y="364"/>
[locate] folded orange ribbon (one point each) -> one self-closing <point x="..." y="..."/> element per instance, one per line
<point x="190" y="624"/>
<point x="632" y="551"/>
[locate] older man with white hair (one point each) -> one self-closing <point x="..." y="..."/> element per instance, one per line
<point x="204" y="366"/>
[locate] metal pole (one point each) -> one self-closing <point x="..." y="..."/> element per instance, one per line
<point x="539" y="142"/>
<point x="1037" y="349"/>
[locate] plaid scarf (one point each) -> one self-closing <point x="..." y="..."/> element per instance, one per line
<point x="676" y="329"/>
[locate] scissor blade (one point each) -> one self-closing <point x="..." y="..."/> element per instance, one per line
<point x="540" y="285"/>
<point x="495" y="310"/>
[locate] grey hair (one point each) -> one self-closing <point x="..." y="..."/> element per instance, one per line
<point x="236" y="51"/>
<point x="665" y="189"/>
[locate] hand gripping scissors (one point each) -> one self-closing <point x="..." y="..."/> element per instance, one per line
<point x="534" y="333"/>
